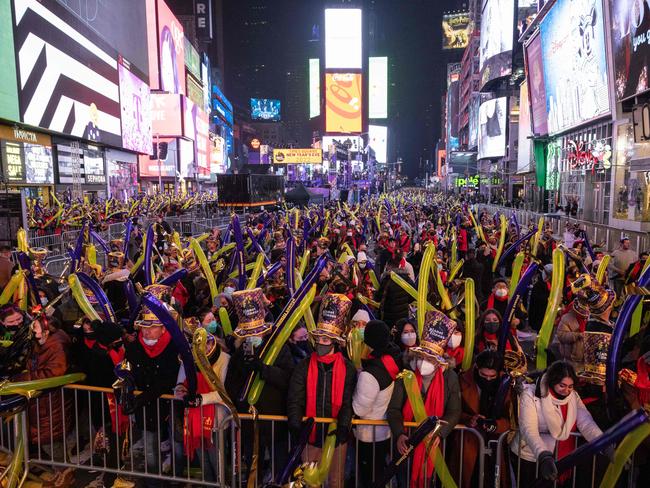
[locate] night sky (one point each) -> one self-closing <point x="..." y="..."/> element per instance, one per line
<point x="407" y="31"/>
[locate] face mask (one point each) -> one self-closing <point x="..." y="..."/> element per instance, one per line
<point x="362" y="265"/>
<point x="409" y="338"/>
<point x="211" y="326"/>
<point x="501" y="292"/>
<point x="150" y="342"/>
<point x="492" y="327"/>
<point x="440" y="267"/>
<point x="256" y="341"/>
<point x="43" y="301"/>
<point x="455" y="340"/>
<point x="229" y="290"/>
<point x="304" y="346"/>
<point x="89" y="335"/>
<point x="323" y="350"/>
<point x="426" y="368"/>
<point x="486" y="385"/>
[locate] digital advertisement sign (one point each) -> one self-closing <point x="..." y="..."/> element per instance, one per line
<point x="474" y="104"/>
<point x="378" y="88"/>
<point x="166" y="116"/>
<point x="38" y="164"/>
<point x="343" y="103"/>
<point x="455" y="30"/>
<point x="497" y="36"/>
<point x="196" y="126"/>
<point x="631" y="47"/>
<point x="378" y="141"/>
<point x="536" y="88"/>
<point x="265" y="109"/>
<point x="524" y="147"/>
<point x="8" y="88"/>
<point x="298" y="156"/>
<point x="343" y="38"/>
<point x="167" y="51"/>
<point x="90" y="159"/>
<point x="68" y="76"/>
<point x="149" y="167"/>
<point x="314" y="88"/>
<point x="135" y="103"/>
<point x="575" y="65"/>
<point x="492" y="116"/>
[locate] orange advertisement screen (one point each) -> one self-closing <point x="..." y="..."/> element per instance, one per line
<point x="343" y="102"/>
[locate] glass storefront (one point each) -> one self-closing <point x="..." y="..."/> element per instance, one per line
<point x="632" y="177"/>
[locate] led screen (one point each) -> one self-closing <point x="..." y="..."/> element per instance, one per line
<point x="474" y="104"/>
<point x="455" y="30"/>
<point x="68" y="77"/>
<point x="523" y="152"/>
<point x="90" y="159"/>
<point x="497" y="34"/>
<point x="166" y="115"/>
<point x="536" y="88"/>
<point x="314" y="88"/>
<point x="196" y="126"/>
<point x="378" y="88"/>
<point x="378" y="141"/>
<point x="38" y="164"/>
<point x="265" y="109"/>
<point x="631" y="46"/>
<point x="186" y="158"/>
<point x="492" y="128"/>
<point x="343" y="102"/>
<point x="8" y="88"/>
<point x="149" y="167"/>
<point x="135" y="103"/>
<point x="575" y="66"/>
<point x="343" y="38"/>
<point x="166" y="42"/>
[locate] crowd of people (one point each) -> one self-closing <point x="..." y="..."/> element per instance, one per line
<point x="386" y="284"/>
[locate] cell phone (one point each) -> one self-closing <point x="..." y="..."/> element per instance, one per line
<point x="249" y="350"/>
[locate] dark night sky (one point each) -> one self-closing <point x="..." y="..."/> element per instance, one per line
<point x="409" y="33"/>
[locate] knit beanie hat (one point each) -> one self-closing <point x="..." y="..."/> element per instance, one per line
<point x="376" y="335"/>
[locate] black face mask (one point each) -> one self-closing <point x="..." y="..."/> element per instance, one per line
<point x="491" y="327"/>
<point x="487" y="386"/>
<point x="89" y="335"/>
<point x="323" y="350"/>
<point x="304" y="346"/>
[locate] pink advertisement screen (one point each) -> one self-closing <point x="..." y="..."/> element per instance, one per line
<point x="171" y="48"/>
<point x="536" y="86"/>
<point x="197" y="127"/>
<point x="135" y="105"/>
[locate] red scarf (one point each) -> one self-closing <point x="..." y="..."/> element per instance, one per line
<point x="158" y="347"/>
<point x="492" y="297"/>
<point x="457" y="354"/>
<point x="199" y="422"/>
<point x="564" y="448"/>
<point x="181" y="294"/>
<point x="642" y="382"/>
<point x="338" y="385"/>
<point x="389" y="363"/>
<point x="487" y="337"/>
<point x="433" y="405"/>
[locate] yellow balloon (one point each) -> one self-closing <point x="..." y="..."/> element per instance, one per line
<point x="315" y="474"/>
<point x="470" y="323"/>
<point x="205" y="267"/>
<point x="81" y="298"/>
<point x="552" y="308"/>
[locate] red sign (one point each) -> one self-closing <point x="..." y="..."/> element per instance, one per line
<point x="166" y="115"/>
<point x="590" y="155"/>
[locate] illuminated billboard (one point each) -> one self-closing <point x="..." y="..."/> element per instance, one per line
<point x="343" y="103"/>
<point x="524" y="148"/>
<point x="343" y="38"/>
<point x="166" y="114"/>
<point x="455" y="30"/>
<point x="298" y="156"/>
<point x="135" y="104"/>
<point x="314" y="88"/>
<point x="67" y="75"/>
<point x="631" y="47"/>
<point x="492" y="116"/>
<point x="497" y="35"/>
<point x="265" y="109"/>
<point x="8" y="88"/>
<point x="166" y="45"/>
<point x="168" y="166"/>
<point x="378" y="88"/>
<point x="536" y="89"/>
<point x="378" y="141"/>
<point x="196" y="126"/>
<point x="575" y="65"/>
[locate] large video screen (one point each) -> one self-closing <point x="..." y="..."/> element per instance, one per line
<point x="455" y="30"/>
<point x="343" y="103"/>
<point x="265" y="109"/>
<point x="8" y="88"/>
<point x="343" y="44"/>
<point x="497" y="35"/>
<point x="631" y="46"/>
<point x="575" y="65"/>
<point x="525" y="143"/>
<point x="166" y="114"/>
<point x="168" y="166"/>
<point x="89" y="157"/>
<point x="492" y="116"/>
<point x="196" y="125"/>
<point x="314" y="88"/>
<point x="68" y="77"/>
<point x="378" y="141"/>
<point x="378" y="88"/>
<point x="474" y="105"/>
<point x="135" y="102"/>
<point x="536" y="88"/>
<point x="166" y="50"/>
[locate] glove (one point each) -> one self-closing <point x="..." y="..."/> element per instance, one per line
<point x="547" y="468"/>
<point x="254" y="363"/>
<point x="191" y="401"/>
<point x="130" y="408"/>
<point x="489" y="425"/>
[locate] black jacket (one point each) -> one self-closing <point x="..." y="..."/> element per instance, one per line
<point x="473" y="269"/>
<point x="154" y="377"/>
<point x="297" y="397"/>
<point x="452" y="405"/>
<point x="273" y="398"/>
<point x="394" y="301"/>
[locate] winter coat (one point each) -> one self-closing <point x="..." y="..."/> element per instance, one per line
<point x="297" y="397"/>
<point x="394" y="301"/>
<point x="50" y="412"/>
<point x="451" y="411"/>
<point x="533" y="433"/>
<point x="154" y="377"/>
<point x="371" y="396"/>
<point x="569" y="339"/>
<point x="473" y="269"/>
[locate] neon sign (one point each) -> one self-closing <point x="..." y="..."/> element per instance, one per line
<point x="590" y="155"/>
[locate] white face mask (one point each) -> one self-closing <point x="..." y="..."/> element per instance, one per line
<point x="229" y="290"/>
<point x="455" y="340"/>
<point x="256" y="341"/>
<point x="409" y="338"/>
<point x="150" y="342"/>
<point x="501" y="292"/>
<point x="426" y="368"/>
